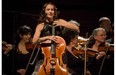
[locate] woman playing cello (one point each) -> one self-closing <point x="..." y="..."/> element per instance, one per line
<point x="48" y="19"/>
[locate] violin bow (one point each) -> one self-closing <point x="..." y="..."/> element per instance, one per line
<point x="31" y="57"/>
<point x="85" y="59"/>
<point x="103" y="59"/>
<point x="85" y="64"/>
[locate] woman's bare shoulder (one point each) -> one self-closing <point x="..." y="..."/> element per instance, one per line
<point x="39" y="26"/>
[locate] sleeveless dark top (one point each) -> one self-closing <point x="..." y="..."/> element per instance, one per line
<point x="47" y="30"/>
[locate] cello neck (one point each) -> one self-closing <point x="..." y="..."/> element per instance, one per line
<point x="53" y="47"/>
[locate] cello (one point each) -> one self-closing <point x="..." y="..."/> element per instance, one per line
<point x="53" y="64"/>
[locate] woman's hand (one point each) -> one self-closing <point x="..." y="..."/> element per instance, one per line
<point x="101" y="54"/>
<point x="60" y="22"/>
<point x="21" y="71"/>
<point x="64" y="23"/>
<point x="8" y="48"/>
<point x="53" y="38"/>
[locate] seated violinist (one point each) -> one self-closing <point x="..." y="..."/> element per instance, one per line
<point x="96" y="64"/>
<point x="74" y="63"/>
<point x="22" y="54"/>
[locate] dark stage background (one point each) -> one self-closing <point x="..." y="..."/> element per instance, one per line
<point x="26" y="12"/>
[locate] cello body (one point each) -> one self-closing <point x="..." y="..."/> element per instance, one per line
<point x="53" y="64"/>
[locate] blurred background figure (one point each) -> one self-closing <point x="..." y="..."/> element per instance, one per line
<point x="7" y="58"/>
<point x="104" y="22"/>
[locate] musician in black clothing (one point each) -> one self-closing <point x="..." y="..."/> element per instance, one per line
<point x="75" y="64"/>
<point x="22" y="53"/>
<point x="49" y="17"/>
<point x="105" y="22"/>
<point x="97" y="64"/>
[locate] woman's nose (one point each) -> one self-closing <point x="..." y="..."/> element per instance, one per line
<point x="28" y="35"/>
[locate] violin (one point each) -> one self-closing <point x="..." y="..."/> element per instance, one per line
<point x="82" y="39"/>
<point x="81" y="52"/>
<point x="106" y="47"/>
<point x="31" y="46"/>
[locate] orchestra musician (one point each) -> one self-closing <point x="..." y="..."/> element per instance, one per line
<point x="7" y="58"/>
<point x="74" y="63"/>
<point x="49" y="17"/>
<point x="97" y="42"/>
<point x="22" y="54"/>
<point x="105" y="22"/>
